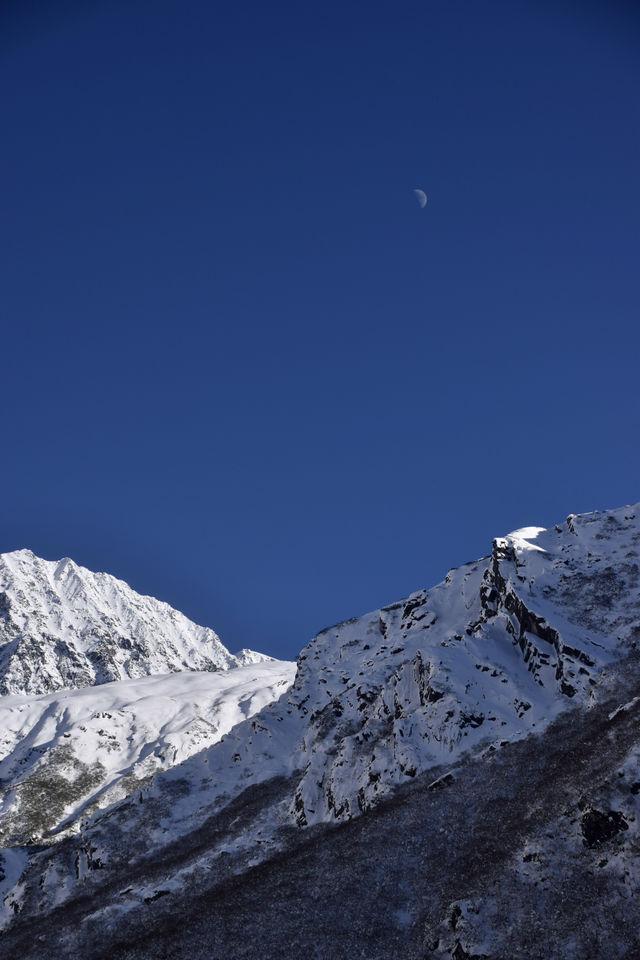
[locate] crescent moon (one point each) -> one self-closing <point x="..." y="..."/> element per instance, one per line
<point x="421" y="197"/>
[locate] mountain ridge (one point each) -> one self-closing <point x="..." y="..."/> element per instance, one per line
<point x="536" y="641"/>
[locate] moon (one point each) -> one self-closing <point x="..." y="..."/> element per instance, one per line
<point x="421" y="197"/>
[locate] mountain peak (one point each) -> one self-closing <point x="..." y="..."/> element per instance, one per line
<point x="61" y="625"/>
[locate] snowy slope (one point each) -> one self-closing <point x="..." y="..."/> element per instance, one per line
<point x="78" y="750"/>
<point x="63" y="626"/>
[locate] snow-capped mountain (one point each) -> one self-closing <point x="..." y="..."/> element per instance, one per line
<point x="429" y="759"/>
<point x="63" y="626"/>
<point x="102" y="689"/>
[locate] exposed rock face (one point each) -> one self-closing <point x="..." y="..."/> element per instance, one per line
<point x="455" y="775"/>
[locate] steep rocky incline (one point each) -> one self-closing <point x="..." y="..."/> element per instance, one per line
<point x="491" y="654"/>
<point x="63" y="626"/>
<point x="400" y="699"/>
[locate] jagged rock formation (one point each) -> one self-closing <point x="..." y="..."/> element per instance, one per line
<point x="452" y="776"/>
<point x="62" y="626"/>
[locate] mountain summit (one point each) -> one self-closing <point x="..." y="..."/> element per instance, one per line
<point x="62" y="626"/>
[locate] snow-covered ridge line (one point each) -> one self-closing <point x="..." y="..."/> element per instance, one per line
<point x="63" y="626"/>
<point x="493" y="653"/>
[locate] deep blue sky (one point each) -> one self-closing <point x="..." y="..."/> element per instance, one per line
<point x="242" y="369"/>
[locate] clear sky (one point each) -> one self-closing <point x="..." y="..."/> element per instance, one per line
<point x="242" y="368"/>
